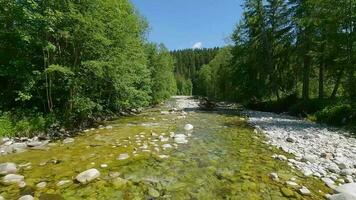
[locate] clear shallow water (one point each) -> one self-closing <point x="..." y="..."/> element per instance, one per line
<point x="223" y="159"/>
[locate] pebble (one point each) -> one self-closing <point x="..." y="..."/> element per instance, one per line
<point x="123" y="156"/>
<point x="63" y="182"/>
<point x="188" y="127"/>
<point x="103" y="165"/>
<point x="68" y="140"/>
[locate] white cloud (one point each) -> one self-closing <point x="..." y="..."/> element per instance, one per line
<point x="198" y="45"/>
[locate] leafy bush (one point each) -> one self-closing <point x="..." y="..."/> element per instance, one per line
<point x="335" y="115"/>
<point x="304" y="108"/>
<point x="6" y="126"/>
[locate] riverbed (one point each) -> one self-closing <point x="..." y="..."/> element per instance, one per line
<point x="140" y="157"/>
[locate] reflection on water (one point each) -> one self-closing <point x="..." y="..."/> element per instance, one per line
<point x="138" y="159"/>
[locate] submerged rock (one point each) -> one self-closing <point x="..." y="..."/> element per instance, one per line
<point x="188" y="127"/>
<point x="153" y="193"/>
<point x="26" y="197"/>
<point x="68" y="140"/>
<point x="274" y="176"/>
<point x="13" y="179"/>
<point x="41" y="185"/>
<point x="88" y="176"/>
<point x="123" y="156"/>
<point x="180" y="139"/>
<point x="304" y="191"/>
<point x="63" y="182"/>
<point x="8" y="168"/>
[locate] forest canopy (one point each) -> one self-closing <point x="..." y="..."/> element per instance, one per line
<point x="73" y="61"/>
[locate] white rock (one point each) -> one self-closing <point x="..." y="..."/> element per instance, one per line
<point x="108" y="127"/>
<point x="26" y="197"/>
<point x="166" y="146"/>
<point x="180" y="139"/>
<point x="188" y="127"/>
<point x="68" y="140"/>
<point x="304" y="191"/>
<point x="41" y="185"/>
<point x="88" y="175"/>
<point x="291" y="183"/>
<point x="63" y="182"/>
<point x="330" y="183"/>
<point x="8" y="168"/>
<point x="13" y="179"/>
<point x="274" y="176"/>
<point x="123" y="156"/>
<point x="163" y="156"/>
<point x="103" y="165"/>
<point x="2" y="198"/>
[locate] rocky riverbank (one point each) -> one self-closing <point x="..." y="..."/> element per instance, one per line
<point x="316" y="150"/>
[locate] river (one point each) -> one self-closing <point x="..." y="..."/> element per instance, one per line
<point x="140" y="157"/>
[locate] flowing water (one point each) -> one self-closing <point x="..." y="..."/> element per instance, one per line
<point x="223" y="159"/>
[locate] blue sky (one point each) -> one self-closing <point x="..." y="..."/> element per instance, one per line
<point x="190" y="23"/>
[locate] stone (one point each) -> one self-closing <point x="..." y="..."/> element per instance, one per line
<point x="280" y="157"/>
<point x="103" y="165"/>
<point x="68" y="140"/>
<point x="123" y="156"/>
<point x="346" y="172"/>
<point x="289" y="139"/>
<point x="26" y="197"/>
<point x="166" y="146"/>
<point x="41" y="185"/>
<point x="287" y="192"/>
<point x="88" y="175"/>
<point x="63" y="182"/>
<point x="330" y="183"/>
<point x="8" y="168"/>
<point x="119" y="182"/>
<point x="153" y="193"/>
<point x="13" y="179"/>
<point x="163" y="156"/>
<point x="304" y="191"/>
<point x="188" y="127"/>
<point x="2" y="198"/>
<point x="274" y="176"/>
<point x="108" y="127"/>
<point x="327" y="156"/>
<point x="334" y="168"/>
<point x="342" y="197"/>
<point x="292" y="184"/>
<point x="349" y="188"/>
<point x="180" y="139"/>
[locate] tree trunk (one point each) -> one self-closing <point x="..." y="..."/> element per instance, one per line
<point x="306" y="73"/>
<point x="321" y="80"/>
<point x="337" y="84"/>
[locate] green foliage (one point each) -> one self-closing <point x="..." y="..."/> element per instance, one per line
<point x="188" y="62"/>
<point x="335" y="115"/>
<point x="76" y="60"/>
<point x="6" y="126"/>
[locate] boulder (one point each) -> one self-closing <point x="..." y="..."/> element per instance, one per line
<point x="8" y="168"/>
<point x="88" y="175"/>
